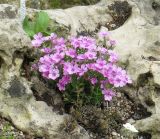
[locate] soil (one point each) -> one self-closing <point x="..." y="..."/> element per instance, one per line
<point x="8" y="131"/>
<point x="106" y="121"/>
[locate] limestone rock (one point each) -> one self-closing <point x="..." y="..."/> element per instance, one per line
<point x="81" y="18"/>
<point x="48" y="4"/>
<point x="138" y="48"/>
<point x="139" y="51"/>
<point x="17" y="102"/>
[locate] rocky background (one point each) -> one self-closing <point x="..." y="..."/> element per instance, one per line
<point x="24" y="102"/>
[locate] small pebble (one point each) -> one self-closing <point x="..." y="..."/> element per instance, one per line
<point x="119" y="95"/>
<point x="114" y="133"/>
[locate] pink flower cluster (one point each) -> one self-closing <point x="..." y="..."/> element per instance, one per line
<point x="82" y="57"/>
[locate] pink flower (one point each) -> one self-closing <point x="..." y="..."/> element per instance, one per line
<point x="83" y="42"/>
<point x="46" y="50"/>
<point x="81" y="57"/>
<point x="38" y="36"/>
<point x="66" y="79"/>
<point x="108" y="94"/>
<point x="112" y="42"/>
<point x="93" y="80"/>
<point x="53" y="36"/>
<point x="44" y="68"/>
<point x="128" y="80"/>
<point x="53" y="73"/>
<point x="115" y="75"/>
<point x="84" y="58"/>
<point x="60" y="41"/>
<point x="91" y="55"/>
<point x="45" y="74"/>
<point x="113" y="56"/>
<point x="35" y="67"/>
<point x="48" y="38"/>
<point x="61" y="86"/>
<point x="45" y="60"/>
<point x="104" y="34"/>
<point x="57" y="57"/>
<point x="70" y="68"/>
<point x="103" y="84"/>
<point x="63" y="82"/>
<point x="75" y="42"/>
<point x="59" y="48"/>
<point x="71" y="52"/>
<point x="36" y="43"/>
<point x="102" y="50"/>
<point x="82" y="70"/>
<point x="38" y="40"/>
<point x="100" y="64"/>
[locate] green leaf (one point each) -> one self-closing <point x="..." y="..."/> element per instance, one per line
<point x="28" y="27"/>
<point x="41" y="22"/>
<point x="46" y="33"/>
<point x="10" y="137"/>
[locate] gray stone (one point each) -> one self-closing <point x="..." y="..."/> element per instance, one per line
<point x="17" y="102"/>
<point x="138" y="48"/>
<point x="81" y="18"/>
<point x="16" y="89"/>
<point x="139" y="51"/>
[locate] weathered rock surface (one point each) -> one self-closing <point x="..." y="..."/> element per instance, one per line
<point x="138" y="47"/>
<point x="139" y="50"/>
<point x="17" y="102"/>
<point x="48" y="4"/>
<point x="81" y="18"/>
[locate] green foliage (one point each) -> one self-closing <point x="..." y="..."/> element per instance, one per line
<point x="55" y="3"/>
<point x="5" y="133"/>
<point x="70" y="3"/>
<point x="40" y="24"/>
<point x="80" y="92"/>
